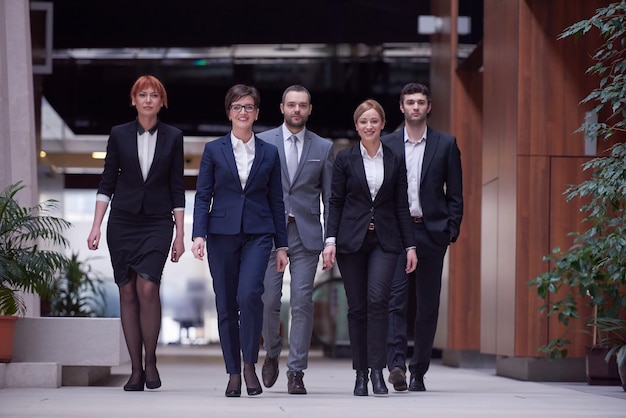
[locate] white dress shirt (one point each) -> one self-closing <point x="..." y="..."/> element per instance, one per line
<point x="414" y="156"/>
<point x="374" y="169"/>
<point x="244" y="157"/>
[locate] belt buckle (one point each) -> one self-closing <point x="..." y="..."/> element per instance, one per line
<point x="291" y="219"/>
<point x="371" y="226"/>
<point x="418" y="219"/>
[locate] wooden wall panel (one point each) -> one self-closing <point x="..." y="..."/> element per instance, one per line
<point x="565" y="218"/>
<point x="533" y="234"/>
<point x="500" y="136"/>
<point x="464" y="255"/>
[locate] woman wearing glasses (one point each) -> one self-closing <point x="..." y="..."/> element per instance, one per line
<point x="239" y="214"/>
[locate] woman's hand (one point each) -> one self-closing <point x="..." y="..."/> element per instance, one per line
<point x="197" y="248"/>
<point x="94" y="238"/>
<point x="178" y="248"/>
<point x="411" y="261"/>
<point x="281" y="259"/>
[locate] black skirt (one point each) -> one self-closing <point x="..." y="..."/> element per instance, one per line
<point x="138" y="244"/>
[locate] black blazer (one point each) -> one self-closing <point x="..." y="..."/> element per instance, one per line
<point x="163" y="189"/>
<point x="352" y="209"/>
<point x="441" y="186"/>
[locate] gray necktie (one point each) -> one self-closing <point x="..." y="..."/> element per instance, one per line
<point x="292" y="157"/>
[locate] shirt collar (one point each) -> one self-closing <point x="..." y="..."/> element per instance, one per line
<point x="287" y="134"/>
<point x="248" y="145"/>
<point x="423" y="138"/>
<point x="141" y="131"/>
<point x="364" y="154"/>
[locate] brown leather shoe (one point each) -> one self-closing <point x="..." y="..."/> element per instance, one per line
<point x="269" y="372"/>
<point x="397" y="377"/>
<point x="295" y="385"/>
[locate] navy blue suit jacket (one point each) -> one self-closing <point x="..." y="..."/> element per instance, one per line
<point x="223" y="207"/>
<point x="163" y="189"/>
<point x="352" y="207"/>
<point x="441" y="186"/>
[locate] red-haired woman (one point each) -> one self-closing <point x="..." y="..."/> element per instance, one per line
<point x="143" y="182"/>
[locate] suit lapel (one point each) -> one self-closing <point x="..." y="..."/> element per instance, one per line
<point x="356" y="162"/>
<point x="432" y="142"/>
<point x="133" y="149"/>
<point x="388" y="170"/>
<point x="279" y="141"/>
<point x="259" y="154"/>
<point x="158" y="151"/>
<point x="229" y="157"/>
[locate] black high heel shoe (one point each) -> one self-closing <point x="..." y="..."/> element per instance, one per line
<point x="253" y="386"/>
<point x="156" y="383"/>
<point x="135" y="387"/>
<point x="233" y="389"/>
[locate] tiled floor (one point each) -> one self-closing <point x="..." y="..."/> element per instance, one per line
<point x="194" y="380"/>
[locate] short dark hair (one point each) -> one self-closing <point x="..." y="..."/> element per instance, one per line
<point x="413" y="88"/>
<point x="298" y="88"/>
<point x="238" y="91"/>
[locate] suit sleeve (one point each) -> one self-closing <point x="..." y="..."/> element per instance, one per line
<point x="277" y="205"/>
<point x="204" y="194"/>
<point x="337" y="195"/>
<point x="177" y="183"/>
<point x="327" y="177"/>
<point x="454" y="190"/>
<point x="110" y="173"/>
<point x="402" y="205"/>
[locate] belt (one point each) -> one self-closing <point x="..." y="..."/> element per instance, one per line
<point x="371" y="226"/>
<point x="291" y="218"/>
<point x="418" y="219"/>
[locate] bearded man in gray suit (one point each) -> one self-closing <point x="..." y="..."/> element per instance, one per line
<point x="306" y="161"/>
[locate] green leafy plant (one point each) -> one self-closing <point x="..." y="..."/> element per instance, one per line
<point x="78" y="291"/>
<point x="594" y="267"/>
<point x="24" y="264"/>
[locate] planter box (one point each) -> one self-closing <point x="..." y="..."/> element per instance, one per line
<point x="86" y="348"/>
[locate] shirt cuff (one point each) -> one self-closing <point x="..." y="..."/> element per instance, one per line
<point x="102" y="198"/>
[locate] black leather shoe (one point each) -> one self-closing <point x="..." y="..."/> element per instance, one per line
<point x="269" y="371"/>
<point x="417" y="383"/>
<point x="295" y="385"/>
<point x="253" y="386"/>
<point x="233" y="389"/>
<point x="397" y="377"/>
<point x="360" y="386"/>
<point x="378" y="383"/>
<point x="136" y="386"/>
<point x="155" y="383"/>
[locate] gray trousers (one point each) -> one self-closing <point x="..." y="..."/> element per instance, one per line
<point x="302" y="267"/>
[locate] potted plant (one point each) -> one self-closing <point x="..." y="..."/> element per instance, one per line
<point x="78" y="291"/>
<point x="613" y="332"/>
<point x="593" y="269"/>
<point x="25" y="266"/>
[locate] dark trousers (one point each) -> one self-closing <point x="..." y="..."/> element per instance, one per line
<point x="427" y="277"/>
<point x="237" y="264"/>
<point x="367" y="277"/>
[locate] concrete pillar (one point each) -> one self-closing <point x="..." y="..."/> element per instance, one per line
<point x="18" y="159"/>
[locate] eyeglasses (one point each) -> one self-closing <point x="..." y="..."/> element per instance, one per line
<point x="247" y="108"/>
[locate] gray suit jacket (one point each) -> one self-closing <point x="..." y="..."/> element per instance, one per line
<point x="312" y="181"/>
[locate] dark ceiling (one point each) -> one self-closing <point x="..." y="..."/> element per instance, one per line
<point x="91" y="94"/>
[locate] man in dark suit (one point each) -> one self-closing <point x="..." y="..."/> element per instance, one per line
<point x="304" y="183"/>
<point x="435" y="191"/>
